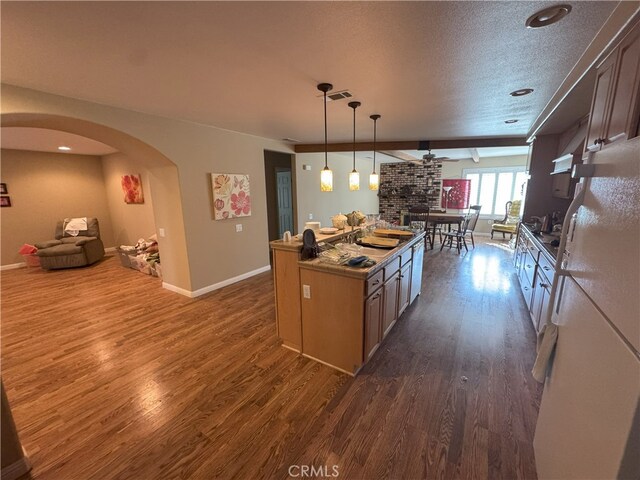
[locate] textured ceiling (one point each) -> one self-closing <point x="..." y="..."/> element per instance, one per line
<point x="433" y="70"/>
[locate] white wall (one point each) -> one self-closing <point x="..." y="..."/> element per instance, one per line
<point x="324" y="205"/>
<point x="130" y="222"/>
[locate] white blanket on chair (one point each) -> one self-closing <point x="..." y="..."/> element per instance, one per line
<point x="73" y="226"/>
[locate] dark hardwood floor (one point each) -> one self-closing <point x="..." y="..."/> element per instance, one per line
<point x="111" y="377"/>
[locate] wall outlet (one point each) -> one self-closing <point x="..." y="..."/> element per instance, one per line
<point x="311" y="216"/>
<point x="239" y="227"/>
<point x="161" y="232"/>
<point x="306" y="291"/>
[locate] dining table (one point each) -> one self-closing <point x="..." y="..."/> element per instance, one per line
<point x="437" y="218"/>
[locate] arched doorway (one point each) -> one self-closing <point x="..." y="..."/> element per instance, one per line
<point x="163" y="179"/>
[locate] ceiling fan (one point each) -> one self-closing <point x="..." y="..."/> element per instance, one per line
<point x="426" y="158"/>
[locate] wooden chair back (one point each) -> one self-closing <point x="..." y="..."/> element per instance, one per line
<point x="419" y="214"/>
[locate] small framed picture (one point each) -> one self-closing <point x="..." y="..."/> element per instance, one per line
<point x="5" y="201"/>
<point x="3" y="189"/>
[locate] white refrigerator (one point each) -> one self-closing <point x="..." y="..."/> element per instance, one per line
<point x="589" y="421"/>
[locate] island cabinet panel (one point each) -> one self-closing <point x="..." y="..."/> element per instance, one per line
<point x="390" y="310"/>
<point x="287" y="290"/>
<point x="373" y="323"/>
<point x="332" y="319"/>
<point x="404" y="297"/>
<point x="416" y="270"/>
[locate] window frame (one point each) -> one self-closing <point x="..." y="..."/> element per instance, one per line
<point x="514" y="170"/>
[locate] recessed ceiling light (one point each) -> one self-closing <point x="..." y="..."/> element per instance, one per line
<point x="548" y="16"/>
<point x="64" y="148"/>
<point x="513" y="120"/>
<point x="521" y="92"/>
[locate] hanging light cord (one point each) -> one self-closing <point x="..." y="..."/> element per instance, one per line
<point x="375" y="124"/>
<point x="354" y="137"/>
<point x="325" y="129"/>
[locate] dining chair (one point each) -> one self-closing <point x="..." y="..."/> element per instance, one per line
<point x="419" y="215"/>
<point x="459" y="235"/>
<point x="473" y="221"/>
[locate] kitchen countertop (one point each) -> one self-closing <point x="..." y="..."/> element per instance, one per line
<point x="381" y="256"/>
<point x="542" y="241"/>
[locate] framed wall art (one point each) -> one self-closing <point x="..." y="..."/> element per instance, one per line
<point x="132" y="189"/>
<point x="231" y="195"/>
<point x="5" y="201"/>
<point x="458" y="194"/>
<point x="3" y="189"/>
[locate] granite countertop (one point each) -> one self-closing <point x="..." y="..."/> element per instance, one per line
<point x="543" y="242"/>
<point x="296" y="244"/>
<point x="381" y="256"/>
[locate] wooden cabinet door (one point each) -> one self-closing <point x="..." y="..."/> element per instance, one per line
<point x="416" y="271"/>
<point x="623" y="111"/>
<point x="405" y="289"/>
<point x="390" y="308"/>
<point x="372" y="324"/>
<point x="542" y="289"/>
<point x="604" y="78"/>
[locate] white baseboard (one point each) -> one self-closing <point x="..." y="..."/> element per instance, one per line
<point x="109" y="249"/>
<point x="215" y="286"/>
<point x="13" y="266"/>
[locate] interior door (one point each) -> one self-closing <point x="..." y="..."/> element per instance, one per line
<point x="285" y="207"/>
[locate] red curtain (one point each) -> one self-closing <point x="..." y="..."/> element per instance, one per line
<point x="458" y="195"/>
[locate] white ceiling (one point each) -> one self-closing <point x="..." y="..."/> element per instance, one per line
<point x="44" y="140"/>
<point x="433" y="70"/>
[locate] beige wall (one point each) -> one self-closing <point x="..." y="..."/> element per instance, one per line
<point x="324" y="205"/>
<point x="197" y="251"/>
<point x="130" y="221"/>
<point x="454" y="170"/>
<point x="47" y="187"/>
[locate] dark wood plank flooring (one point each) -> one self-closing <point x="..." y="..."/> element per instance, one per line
<point x="112" y="377"/>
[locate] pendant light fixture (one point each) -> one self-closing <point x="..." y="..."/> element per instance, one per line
<point x="354" y="176"/>
<point x="326" y="176"/>
<point x="374" y="178"/>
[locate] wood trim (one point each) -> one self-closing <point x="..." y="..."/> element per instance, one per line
<point x="16" y="469"/>
<point x="215" y="286"/>
<point x="414" y="145"/>
<point x="12" y="266"/>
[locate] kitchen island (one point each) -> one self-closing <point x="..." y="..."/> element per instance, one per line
<point x="339" y="315"/>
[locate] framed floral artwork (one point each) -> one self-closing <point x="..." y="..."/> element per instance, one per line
<point x="132" y="189"/>
<point x="231" y="195"/>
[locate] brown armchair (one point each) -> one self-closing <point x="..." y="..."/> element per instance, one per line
<point x="69" y="250"/>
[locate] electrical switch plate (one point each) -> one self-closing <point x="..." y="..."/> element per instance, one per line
<point x="311" y="216"/>
<point x="239" y="227"/>
<point x="306" y="291"/>
<point x="161" y="232"/>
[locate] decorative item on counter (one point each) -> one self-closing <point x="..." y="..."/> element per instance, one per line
<point x="328" y="230"/>
<point x="339" y="221"/>
<point x="310" y="247"/>
<point x="356" y="218"/>
<point x="287" y="236"/>
<point x="315" y="226"/>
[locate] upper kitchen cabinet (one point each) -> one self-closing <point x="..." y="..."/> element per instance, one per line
<point x="615" y="109"/>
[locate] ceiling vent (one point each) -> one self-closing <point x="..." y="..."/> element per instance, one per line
<point x="333" y="96"/>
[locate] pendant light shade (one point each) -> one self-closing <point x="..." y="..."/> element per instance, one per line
<point x="326" y="176"/>
<point x="374" y="178"/>
<point x="354" y="176"/>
